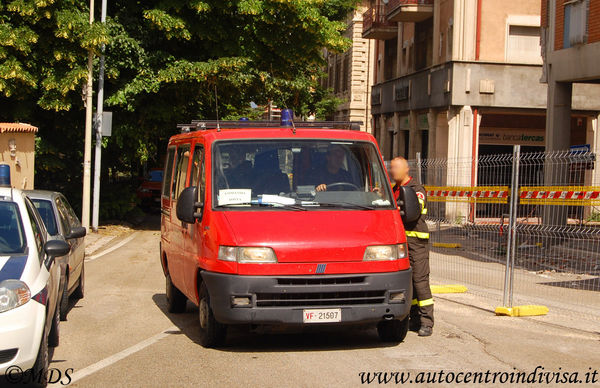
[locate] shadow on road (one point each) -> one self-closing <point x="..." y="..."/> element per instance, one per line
<point x="244" y="338"/>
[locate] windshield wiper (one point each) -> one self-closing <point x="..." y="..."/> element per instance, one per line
<point x="267" y="204"/>
<point x="345" y="204"/>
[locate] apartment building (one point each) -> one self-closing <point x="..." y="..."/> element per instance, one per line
<point x="571" y="51"/>
<point x="350" y="74"/>
<point x="461" y="78"/>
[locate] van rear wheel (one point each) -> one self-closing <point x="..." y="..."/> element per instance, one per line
<point x="175" y="299"/>
<point x="393" y="331"/>
<point x="212" y="333"/>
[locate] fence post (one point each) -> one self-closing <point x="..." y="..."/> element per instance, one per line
<point x="512" y="222"/>
<point x="419" y="177"/>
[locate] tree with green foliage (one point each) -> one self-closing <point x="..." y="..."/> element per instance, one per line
<point x="168" y="61"/>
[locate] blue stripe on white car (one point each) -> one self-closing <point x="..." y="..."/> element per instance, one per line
<point x="12" y="268"/>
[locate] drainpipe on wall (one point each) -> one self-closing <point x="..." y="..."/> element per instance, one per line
<point x="475" y="113"/>
<point x="478" y="31"/>
<point x="474" y="160"/>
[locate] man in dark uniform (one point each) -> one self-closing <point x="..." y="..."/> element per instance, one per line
<point x="417" y="237"/>
<point x="334" y="171"/>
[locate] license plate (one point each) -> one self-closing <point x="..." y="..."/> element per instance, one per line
<point x="321" y="315"/>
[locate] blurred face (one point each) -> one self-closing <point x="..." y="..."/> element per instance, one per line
<point x="236" y="157"/>
<point x="335" y="158"/>
<point x="399" y="170"/>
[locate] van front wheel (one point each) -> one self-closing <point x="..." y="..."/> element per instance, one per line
<point x="212" y="333"/>
<point x="393" y="331"/>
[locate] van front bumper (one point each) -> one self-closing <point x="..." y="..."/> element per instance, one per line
<point x="362" y="298"/>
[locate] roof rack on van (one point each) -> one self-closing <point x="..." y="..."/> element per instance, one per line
<point x="200" y="125"/>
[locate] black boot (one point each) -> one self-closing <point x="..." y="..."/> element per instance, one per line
<point x="414" y="324"/>
<point x="425" y="331"/>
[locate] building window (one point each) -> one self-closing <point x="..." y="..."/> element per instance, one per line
<point x="391" y="58"/>
<point x="347" y="76"/>
<point x="336" y="85"/>
<point x="576" y="23"/>
<point x="523" y="44"/>
<point x="449" y="38"/>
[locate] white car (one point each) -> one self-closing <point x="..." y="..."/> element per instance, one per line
<point x="29" y="284"/>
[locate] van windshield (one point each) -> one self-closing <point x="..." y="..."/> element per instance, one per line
<point x="299" y="175"/>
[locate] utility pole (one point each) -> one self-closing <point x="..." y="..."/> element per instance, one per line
<point x="87" y="152"/>
<point x="99" y="111"/>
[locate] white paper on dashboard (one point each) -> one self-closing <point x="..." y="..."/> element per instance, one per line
<point x="277" y="199"/>
<point x="234" y="196"/>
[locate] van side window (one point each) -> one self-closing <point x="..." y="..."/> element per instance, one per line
<point x="181" y="167"/>
<point x="168" y="172"/>
<point x="197" y="176"/>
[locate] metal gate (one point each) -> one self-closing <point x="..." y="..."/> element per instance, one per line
<point x="524" y="227"/>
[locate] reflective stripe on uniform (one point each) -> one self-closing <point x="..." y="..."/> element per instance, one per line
<point x="426" y="302"/>
<point x="412" y="233"/>
<point x="415" y="302"/>
<point x="423" y="208"/>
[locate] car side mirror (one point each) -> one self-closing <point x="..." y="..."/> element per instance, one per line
<point x="410" y="208"/>
<point x="56" y="248"/>
<point x="188" y="209"/>
<point x="76" y="232"/>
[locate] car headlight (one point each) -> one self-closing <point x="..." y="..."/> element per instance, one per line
<point x="247" y="254"/>
<point x="385" y="252"/>
<point x="13" y="293"/>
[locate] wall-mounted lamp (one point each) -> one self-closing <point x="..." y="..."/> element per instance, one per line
<point x="12" y="147"/>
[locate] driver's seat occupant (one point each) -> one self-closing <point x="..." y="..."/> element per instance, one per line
<point x="334" y="171"/>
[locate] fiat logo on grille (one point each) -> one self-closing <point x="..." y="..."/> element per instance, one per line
<point x="321" y="268"/>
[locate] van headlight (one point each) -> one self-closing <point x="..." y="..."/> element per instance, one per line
<point x="258" y="255"/>
<point x="385" y="252"/>
<point x="13" y="293"/>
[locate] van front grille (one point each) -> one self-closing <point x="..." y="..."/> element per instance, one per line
<point x="309" y="299"/>
<point x="319" y="281"/>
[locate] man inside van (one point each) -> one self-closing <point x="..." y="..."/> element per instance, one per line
<point x="334" y="171"/>
<point x="417" y="238"/>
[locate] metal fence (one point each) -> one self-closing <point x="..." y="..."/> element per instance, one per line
<point x="525" y="225"/>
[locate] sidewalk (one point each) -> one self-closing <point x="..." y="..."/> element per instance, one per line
<point x="106" y="236"/>
<point x="569" y="307"/>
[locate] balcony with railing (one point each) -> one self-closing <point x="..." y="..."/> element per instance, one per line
<point x="376" y="25"/>
<point x="409" y="10"/>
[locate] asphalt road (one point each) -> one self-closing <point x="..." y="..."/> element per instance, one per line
<point x="120" y="335"/>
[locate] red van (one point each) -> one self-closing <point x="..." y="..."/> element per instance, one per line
<point x="293" y="225"/>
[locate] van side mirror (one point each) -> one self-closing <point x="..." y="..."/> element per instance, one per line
<point x="410" y="208"/>
<point x="187" y="205"/>
<point x="76" y="232"/>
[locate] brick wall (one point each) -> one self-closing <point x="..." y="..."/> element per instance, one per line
<point x="544" y="13"/>
<point x="559" y="24"/>
<point x="594" y="22"/>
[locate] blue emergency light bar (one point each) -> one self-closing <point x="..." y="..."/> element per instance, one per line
<point x="4" y="175"/>
<point x="200" y="125"/>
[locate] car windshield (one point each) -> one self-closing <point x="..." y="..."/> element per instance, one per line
<point x="44" y="207"/>
<point x="299" y="175"/>
<point x="12" y="238"/>
<point x="155" y="176"/>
